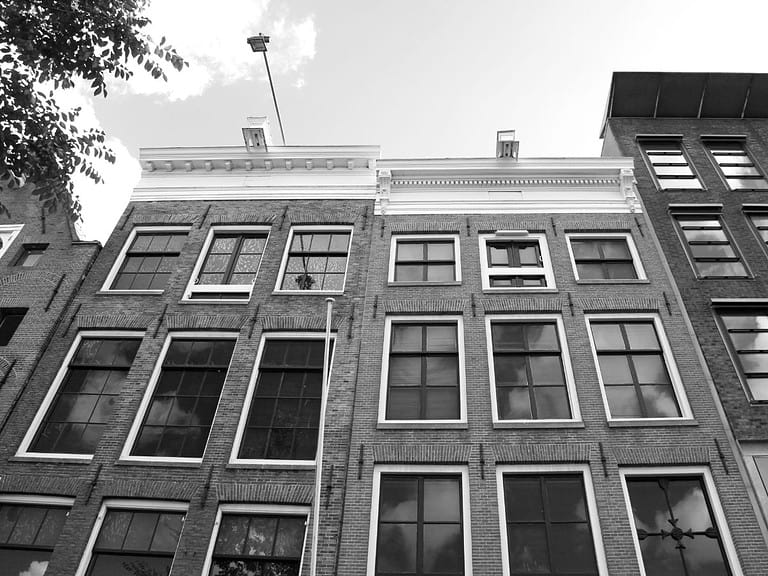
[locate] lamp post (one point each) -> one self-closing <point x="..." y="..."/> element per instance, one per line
<point x="259" y="44"/>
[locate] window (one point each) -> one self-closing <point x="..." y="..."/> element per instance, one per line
<point x="515" y="260"/>
<point x="678" y="524"/>
<point x="263" y="539"/>
<point x="709" y="247"/>
<point x="549" y="521"/>
<point x="736" y="164"/>
<point x="638" y="376"/>
<point x="418" y="522"/>
<point x="670" y="165"/>
<point x="228" y="264"/>
<point x="8" y="233"/>
<point x="29" y="529"/>
<point x="424" y="259"/>
<point x="747" y="331"/>
<point x="604" y="257"/>
<point x="30" y="254"/>
<point x="178" y="409"/>
<point x="759" y="222"/>
<point x="148" y="259"/>
<point x="81" y="402"/>
<point x="283" y="405"/>
<point x="10" y="319"/>
<point x="132" y="538"/>
<point x="756" y="458"/>
<point x="422" y="378"/>
<point x="315" y="259"/>
<point x="531" y="377"/>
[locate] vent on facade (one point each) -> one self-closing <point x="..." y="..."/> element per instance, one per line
<point x="254" y="139"/>
<point x="506" y="145"/>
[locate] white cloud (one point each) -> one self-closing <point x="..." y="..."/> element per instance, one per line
<point x="212" y="38"/>
<point x="36" y="568"/>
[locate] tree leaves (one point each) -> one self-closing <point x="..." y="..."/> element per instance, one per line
<point x="59" y="41"/>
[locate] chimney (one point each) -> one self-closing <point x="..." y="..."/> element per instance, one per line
<point x="257" y="135"/>
<point x="506" y="145"/>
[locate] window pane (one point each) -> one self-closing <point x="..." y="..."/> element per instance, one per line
<point x="406" y="337"/>
<point x="440" y="251"/>
<point x="607" y="336"/>
<point x="441" y="338"/>
<point x="396" y="549"/>
<point x="442" y="500"/>
<point x="443" y="549"/>
<point x="399" y="499"/>
<point x="623" y="402"/>
<point x="528" y="550"/>
<point x="410" y="251"/>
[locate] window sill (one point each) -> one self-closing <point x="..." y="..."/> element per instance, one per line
<point x="617" y="281"/>
<point x="422" y="425"/>
<point x="430" y="284"/>
<point x="538" y="424"/>
<point x="725" y="277"/>
<point x="305" y="293"/>
<point x="651" y="422"/>
<point x="211" y="301"/>
<point x="519" y="290"/>
<point x="272" y="464"/>
<point x="53" y="458"/>
<point x="161" y="463"/>
<point x="127" y="292"/>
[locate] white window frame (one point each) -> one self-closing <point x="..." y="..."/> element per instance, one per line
<point x="582" y="470"/>
<point x="669" y="360"/>
<point x="750" y="450"/>
<point x="193" y="288"/>
<point x="644" y="140"/>
<point x="125" y="455"/>
<point x="419" y="470"/>
<point x="565" y="357"/>
<point x="124" y="250"/>
<point x="8" y="233"/>
<point x="240" y="432"/>
<point x="286" y="251"/>
<point x="627" y="236"/>
<point x="133" y="505"/>
<point x="515" y="236"/>
<point x="709" y="141"/>
<point x="256" y="510"/>
<point x="23" y="450"/>
<point x="714" y="500"/>
<point x="396" y="238"/>
<point x="461" y="422"/>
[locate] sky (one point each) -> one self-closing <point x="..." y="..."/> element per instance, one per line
<point x="420" y="78"/>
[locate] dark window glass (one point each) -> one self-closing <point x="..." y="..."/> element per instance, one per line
<point x="180" y="414"/>
<point x="28" y="534"/>
<point x="423" y="377"/>
<point x="528" y="368"/>
<point x="548" y="530"/>
<point x="748" y="335"/>
<point x="425" y="261"/>
<point x="10" y="318"/>
<point x="251" y="545"/>
<point x="420" y="526"/>
<point x="150" y="260"/>
<point x="284" y="415"/>
<point x="233" y="258"/>
<point x="633" y="370"/>
<point x="670" y="165"/>
<point x="603" y="259"/>
<point x="132" y="543"/>
<point x="675" y="527"/>
<point x="30" y="254"/>
<point x="736" y="165"/>
<point x="86" y="397"/>
<point x="317" y="261"/>
<point x="515" y="263"/>
<point x="710" y="247"/>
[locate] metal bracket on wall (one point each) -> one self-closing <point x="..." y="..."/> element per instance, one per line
<point x="160" y="322"/>
<point x="205" y="215"/>
<point x="206" y="487"/>
<point x="360" y="462"/>
<point x="5" y="374"/>
<point x="93" y="483"/>
<point x="365" y="217"/>
<point x="55" y="291"/>
<point x="42" y="219"/>
<point x="468" y="227"/>
<point x="721" y="455"/>
<point x="482" y="463"/>
<point x="381" y="230"/>
<point x="554" y="227"/>
<point x="472" y="303"/>
<point x="253" y="321"/>
<point x="351" y="321"/>
<point x="603" y="460"/>
<point x="72" y="318"/>
<point x="666" y="303"/>
<point x="639" y="226"/>
<point x="329" y="487"/>
<point x="570" y="302"/>
<point x="375" y="304"/>
<point x="282" y="217"/>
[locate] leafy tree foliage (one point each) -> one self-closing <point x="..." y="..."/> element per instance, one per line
<point x="49" y="44"/>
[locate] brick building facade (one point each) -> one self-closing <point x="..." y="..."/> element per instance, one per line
<point x="515" y="388"/>
<point x="700" y="144"/>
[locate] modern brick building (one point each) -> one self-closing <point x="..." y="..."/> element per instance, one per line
<point x="515" y="388"/>
<point x="700" y="144"/>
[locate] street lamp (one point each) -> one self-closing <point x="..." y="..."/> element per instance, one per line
<point x="259" y="44"/>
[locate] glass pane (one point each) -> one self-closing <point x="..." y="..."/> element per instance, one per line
<point x="761" y="462"/>
<point x="290" y="537"/>
<point x="261" y="535"/>
<point x="546" y="370"/>
<point x="508" y="336"/>
<point x="396" y="551"/>
<point x="523" y="499"/>
<point x="441" y="273"/>
<point x="440" y="251"/>
<point x="712" y="251"/>
<point x="339" y="243"/>
<point x="660" y="401"/>
<point x="615" y="370"/>
<point x="585" y="249"/>
<point x="232" y="534"/>
<point x="27" y="525"/>
<point x="409" y="273"/>
<point x="406" y="337"/>
<point x="680" y="184"/>
<point x="130" y="565"/>
<point x="399" y="496"/>
<point x="650" y="369"/>
<point x="572" y="549"/>
<point x="113" y="529"/>
<point x="623" y="402"/>
<point x="749" y="340"/>
<point x="746" y="322"/>
<point x="641" y="336"/>
<point x="565" y="499"/>
<point x="167" y="533"/>
<point x="542" y="337"/>
<point x="528" y="551"/>
<point x="721" y="269"/>
<point x="410" y="251"/>
<point x="497" y="255"/>
<point x="529" y="255"/>
<point x="591" y="271"/>
<point x="676" y="170"/>
<point x="442" y="404"/>
<point x="621" y="271"/>
<point x="51" y="527"/>
<point x="514" y="403"/>
<point x="607" y="336"/>
<point x="24" y="562"/>
<point x="758" y="387"/>
<point x="140" y="531"/>
<point x="443" y="549"/>
<point x="705" y="235"/>
<point x="442" y="371"/>
<point x="404" y="404"/>
<point x="442" y="500"/>
<point x="510" y="370"/>
<point x="551" y="402"/>
<point x="441" y="338"/>
<point x="617" y="249"/>
<point x="740" y="171"/>
<point x="404" y="371"/>
<point x="754" y="362"/>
